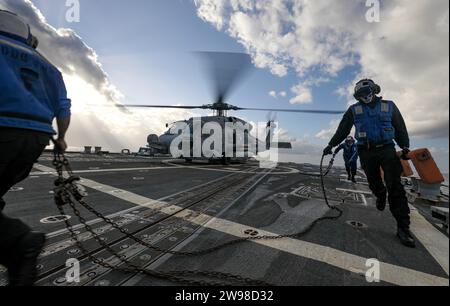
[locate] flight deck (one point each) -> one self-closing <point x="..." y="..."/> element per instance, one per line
<point x="179" y="208"/>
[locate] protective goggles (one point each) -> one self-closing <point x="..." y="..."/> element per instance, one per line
<point x="364" y="92"/>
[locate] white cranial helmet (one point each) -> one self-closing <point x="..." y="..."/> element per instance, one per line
<point x="15" y="27"/>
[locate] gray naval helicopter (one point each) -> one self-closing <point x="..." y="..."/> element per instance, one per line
<point x="225" y="70"/>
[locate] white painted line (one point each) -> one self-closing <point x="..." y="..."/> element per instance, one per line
<point x="363" y="197"/>
<point x="134" y="280"/>
<point x="99" y="187"/>
<point x="436" y="243"/>
<point x="51" y="171"/>
<point x="361" y="193"/>
<point x="354" y="191"/>
<point x="389" y="273"/>
<point x="363" y="174"/>
<point x="289" y="170"/>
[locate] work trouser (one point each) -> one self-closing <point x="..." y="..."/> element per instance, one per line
<point x="385" y="157"/>
<point x="351" y="167"/>
<point x="19" y="150"/>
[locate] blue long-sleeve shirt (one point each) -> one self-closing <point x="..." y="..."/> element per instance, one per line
<point x="32" y="90"/>
<point x="350" y="152"/>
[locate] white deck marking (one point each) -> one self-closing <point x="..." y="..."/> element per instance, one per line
<point x="363" y="197"/>
<point x="436" y="243"/>
<point x="119" y="213"/>
<point x="361" y="193"/>
<point x="51" y="171"/>
<point x="289" y="170"/>
<point x="354" y="191"/>
<point x="389" y="273"/>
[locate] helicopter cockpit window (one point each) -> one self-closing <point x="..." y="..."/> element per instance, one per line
<point x="175" y="127"/>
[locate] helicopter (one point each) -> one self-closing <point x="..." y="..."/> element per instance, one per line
<point x="195" y="134"/>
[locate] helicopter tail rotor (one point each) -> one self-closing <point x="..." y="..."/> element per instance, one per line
<point x="270" y="128"/>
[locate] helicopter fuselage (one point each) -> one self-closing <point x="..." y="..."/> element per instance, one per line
<point x="211" y="137"/>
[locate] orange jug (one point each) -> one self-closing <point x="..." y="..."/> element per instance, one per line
<point x="426" y="166"/>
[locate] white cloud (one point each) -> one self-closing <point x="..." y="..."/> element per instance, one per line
<point x="109" y="127"/>
<point x="440" y="155"/>
<point x="88" y="84"/>
<point x="303" y="95"/>
<point x="273" y="94"/>
<point x="64" y="48"/>
<point x="303" y="151"/>
<point x="283" y="135"/>
<point x="327" y="134"/>
<point x="343" y="91"/>
<point x="407" y="53"/>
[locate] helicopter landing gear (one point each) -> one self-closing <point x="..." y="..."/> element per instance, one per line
<point x="225" y="160"/>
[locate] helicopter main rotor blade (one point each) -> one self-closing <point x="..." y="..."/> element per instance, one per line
<point x="161" y="106"/>
<point x="225" y="70"/>
<point x="305" y="111"/>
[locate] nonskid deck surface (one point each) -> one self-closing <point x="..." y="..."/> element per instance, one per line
<point x="189" y="207"/>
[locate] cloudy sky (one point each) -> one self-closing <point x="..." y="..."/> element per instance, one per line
<point x="306" y="54"/>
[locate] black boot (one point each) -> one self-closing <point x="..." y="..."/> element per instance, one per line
<point x="22" y="270"/>
<point x="354" y="179"/>
<point x="406" y="238"/>
<point x="381" y="201"/>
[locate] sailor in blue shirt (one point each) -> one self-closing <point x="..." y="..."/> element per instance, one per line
<point x="350" y="157"/>
<point x="32" y="95"/>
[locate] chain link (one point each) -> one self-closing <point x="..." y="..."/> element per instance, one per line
<point x="131" y="268"/>
<point x="65" y="196"/>
<point x="66" y="193"/>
